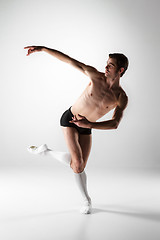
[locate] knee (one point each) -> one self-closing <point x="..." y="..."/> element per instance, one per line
<point x="77" y="166"/>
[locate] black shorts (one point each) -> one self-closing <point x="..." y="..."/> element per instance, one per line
<point x="66" y="117"/>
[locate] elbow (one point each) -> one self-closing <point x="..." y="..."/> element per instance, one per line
<point x="115" y="125"/>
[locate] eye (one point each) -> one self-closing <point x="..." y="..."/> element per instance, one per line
<point x="111" y="66"/>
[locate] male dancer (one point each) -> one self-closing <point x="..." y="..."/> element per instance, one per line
<point x="102" y="94"/>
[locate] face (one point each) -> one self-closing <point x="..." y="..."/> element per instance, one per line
<point x="111" y="68"/>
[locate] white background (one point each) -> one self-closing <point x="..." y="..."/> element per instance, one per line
<point x="36" y="90"/>
<point x="37" y="195"/>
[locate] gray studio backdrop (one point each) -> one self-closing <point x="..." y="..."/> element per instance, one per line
<point x="36" y="90"/>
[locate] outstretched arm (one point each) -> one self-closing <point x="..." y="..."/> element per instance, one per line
<point x="87" y="70"/>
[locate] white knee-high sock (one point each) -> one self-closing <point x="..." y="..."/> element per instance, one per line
<point x="63" y="157"/>
<point x="81" y="180"/>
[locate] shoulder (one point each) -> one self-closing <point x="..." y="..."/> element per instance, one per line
<point x="93" y="73"/>
<point x="122" y="99"/>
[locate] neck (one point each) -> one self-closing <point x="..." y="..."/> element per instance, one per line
<point x="113" y="83"/>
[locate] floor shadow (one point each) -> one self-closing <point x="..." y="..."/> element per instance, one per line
<point x="37" y="215"/>
<point x="147" y="214"/>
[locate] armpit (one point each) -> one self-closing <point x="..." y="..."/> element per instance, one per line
<point x="122" y="101"/>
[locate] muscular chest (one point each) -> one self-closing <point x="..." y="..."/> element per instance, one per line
<point x="103" y="98"/>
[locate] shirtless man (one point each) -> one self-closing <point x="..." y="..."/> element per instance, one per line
<point x="102" y="94"/>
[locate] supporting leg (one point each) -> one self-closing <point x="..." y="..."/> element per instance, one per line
<point x="81" y="180"/>
<point x="79" y="156"/>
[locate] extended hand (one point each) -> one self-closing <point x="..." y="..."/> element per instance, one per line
<point x="81" y="122"/>
<point x="32" y="49"/>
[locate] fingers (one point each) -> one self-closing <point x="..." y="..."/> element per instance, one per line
<point x="81" y="116"/>
<point x="29" y="52"/>
<point x="75" y="122"/>
<point x="32" y="47"/>
<point x="74" y="119"/>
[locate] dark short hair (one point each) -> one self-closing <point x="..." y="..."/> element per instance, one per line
<point x="122" y="61"/>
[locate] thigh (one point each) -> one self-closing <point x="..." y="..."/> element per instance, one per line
<point x="71" y="136"/>
<point x="85" y="142"/>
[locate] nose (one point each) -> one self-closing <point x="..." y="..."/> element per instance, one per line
<point x="106" y="68"/>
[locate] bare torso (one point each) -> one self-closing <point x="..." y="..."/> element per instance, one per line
<point x="96" y="100"/>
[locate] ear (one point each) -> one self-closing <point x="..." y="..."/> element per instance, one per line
<point x="121" y="70"/>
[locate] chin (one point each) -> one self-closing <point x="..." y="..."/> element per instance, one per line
<point x="106" y="74"/>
